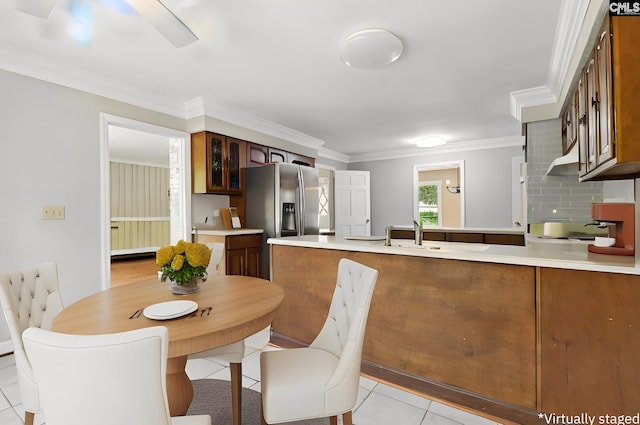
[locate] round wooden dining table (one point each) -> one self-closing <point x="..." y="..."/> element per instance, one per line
<point x="230" y="308"/>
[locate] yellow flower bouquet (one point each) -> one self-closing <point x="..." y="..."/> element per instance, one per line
<point x="184" y="261"/>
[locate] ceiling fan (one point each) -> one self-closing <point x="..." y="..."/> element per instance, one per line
<point x="159" y="15"/>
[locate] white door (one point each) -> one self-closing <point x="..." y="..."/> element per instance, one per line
<point x="352" y="203"/>
<point x="518" y="192"/>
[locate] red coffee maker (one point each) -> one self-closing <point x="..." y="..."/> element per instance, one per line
<point x="620" y="219"/>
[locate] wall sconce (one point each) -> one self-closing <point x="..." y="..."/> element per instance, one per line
<point x="452" y="189"/>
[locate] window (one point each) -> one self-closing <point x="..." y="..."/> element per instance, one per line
<point x="433" y="204"/>
<point x="430" y="203"/>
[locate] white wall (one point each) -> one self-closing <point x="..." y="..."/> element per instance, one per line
<point x="487" y="187"/>
<point x="51" y="156"/>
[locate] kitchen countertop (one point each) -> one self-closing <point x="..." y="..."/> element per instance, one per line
<point x="211" y="231"/>
<point x="555" y="253"/>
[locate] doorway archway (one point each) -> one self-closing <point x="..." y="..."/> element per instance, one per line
<point x="450" y="176"/>
<point x="179" y="187"/>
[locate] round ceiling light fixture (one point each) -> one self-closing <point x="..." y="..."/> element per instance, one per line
<point x="371" y="48"/>
<point x="430" y="142"/>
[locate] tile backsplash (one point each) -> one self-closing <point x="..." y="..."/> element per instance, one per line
<point x="554" y="198"/>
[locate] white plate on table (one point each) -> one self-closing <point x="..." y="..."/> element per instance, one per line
<point x="170" y="309"/>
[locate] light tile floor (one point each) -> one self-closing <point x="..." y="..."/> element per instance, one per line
<point x="378" y="404"/>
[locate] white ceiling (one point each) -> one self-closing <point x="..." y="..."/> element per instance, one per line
<point x="279" y="61"/>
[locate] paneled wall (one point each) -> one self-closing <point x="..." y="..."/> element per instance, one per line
<point x="139" y="208"/>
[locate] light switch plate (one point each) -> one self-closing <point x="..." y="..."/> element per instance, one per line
<point x="53" y="213"/>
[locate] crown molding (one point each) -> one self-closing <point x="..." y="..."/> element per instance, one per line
<point x="333" y="155"/>
<point x="471" y="145"/>
<point x="19" y="62"/>
<point x="523" y="99"/>
<point x="203" y="107"/>
<point x="571" y="19"/>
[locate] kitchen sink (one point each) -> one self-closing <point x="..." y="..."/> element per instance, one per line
<point x="441" y="246"/>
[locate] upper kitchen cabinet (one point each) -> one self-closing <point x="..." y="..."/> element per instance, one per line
<point x="261" y="155"/>
<point x="608" y="90"/>
<point x="277" y="155"/>
<point x="301" y="159"/>
<point x="257" y="155"/>
<point x="216" y="161"/>
<point x="569" y="125"/>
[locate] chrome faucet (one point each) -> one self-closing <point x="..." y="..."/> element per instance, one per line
<point x="417" y="233"/>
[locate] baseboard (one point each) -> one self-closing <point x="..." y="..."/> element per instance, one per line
<point x="434" y="390"/>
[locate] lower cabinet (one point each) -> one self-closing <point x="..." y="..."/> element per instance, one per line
<point x="589" y="331"/>
<point x="241" y="253"/>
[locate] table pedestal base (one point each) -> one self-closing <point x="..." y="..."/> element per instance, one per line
<point x="179" y="387"/>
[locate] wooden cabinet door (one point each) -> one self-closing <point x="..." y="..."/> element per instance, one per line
<point x="569" y="124"/>
<point x="257" y="155"/>
<point x="589" y="336"/>
<point x="245" y="262"/>
<point x="603" y="99"/>
<point x="277" y="155"/>
<point x="592" y="115"/>
<point x="236" y="262"/>
<point x="253" y="262"/>
<point x="300" y="159"/>
<point x="236" y="153"/>
<point x="216" y="180"/>
<point x="582" y="134"/>
<point x="243" y="254"/>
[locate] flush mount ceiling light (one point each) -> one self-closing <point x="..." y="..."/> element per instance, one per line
<point x="371" y="48"/>
<point x="430" y="142"/>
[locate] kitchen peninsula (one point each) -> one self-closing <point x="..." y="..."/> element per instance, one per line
<point x="510" y="331"/>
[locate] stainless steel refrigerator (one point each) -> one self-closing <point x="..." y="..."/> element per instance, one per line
<point x="282" y="199"/>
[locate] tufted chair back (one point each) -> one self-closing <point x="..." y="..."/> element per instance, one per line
<point x="30" y="298"/>
<point x="344" y="328"/>
<point x="322" y="380"/>
<point x="104" y="379"/>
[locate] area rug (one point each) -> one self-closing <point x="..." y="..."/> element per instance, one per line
<point x="213" y="397"/>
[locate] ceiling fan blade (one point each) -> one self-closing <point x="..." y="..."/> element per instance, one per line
<point x="39" y="8"/>
<point x="168" y="24"/>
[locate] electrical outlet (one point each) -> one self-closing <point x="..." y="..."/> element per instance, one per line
<point x="53" y="213"/>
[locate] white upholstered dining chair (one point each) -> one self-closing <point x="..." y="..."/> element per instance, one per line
<point x="30" y="297"/>
<point x="322" y="380"/>
<point x="104" y="379"/>
<point x="231" y="353"/>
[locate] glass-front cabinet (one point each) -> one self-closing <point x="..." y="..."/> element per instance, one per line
<point x="216" y="161"/>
